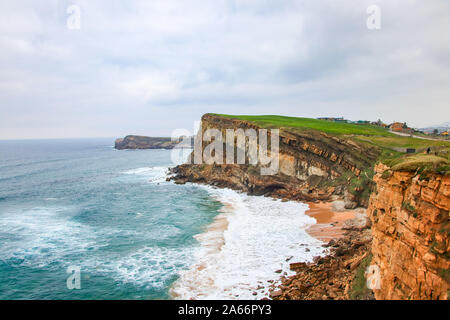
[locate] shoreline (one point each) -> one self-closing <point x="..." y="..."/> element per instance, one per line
<point x="330" y="220"/>
<point x="219" y="240"/>
<point x="332" y="225"/>
<point x="347" y="236"/>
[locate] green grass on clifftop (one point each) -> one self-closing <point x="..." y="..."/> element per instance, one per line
<point x="396" y="141"/>
<point x="392" y="147"/>
<point x="338" y="128"/>
<point x="422" y="163"/>
<point x="368" y="134"/>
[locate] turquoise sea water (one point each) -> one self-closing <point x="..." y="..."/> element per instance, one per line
<point x="82" y="203"/>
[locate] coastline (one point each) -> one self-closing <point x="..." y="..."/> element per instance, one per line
<point x="347" y="236"/>
<point x="331" y="218"/>
<point x="228" y="261"/>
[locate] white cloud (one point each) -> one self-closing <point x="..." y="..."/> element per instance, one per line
<point x="151" y="66"/>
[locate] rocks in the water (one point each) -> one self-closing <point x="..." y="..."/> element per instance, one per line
<point x="275" y="294"/>
<point x="180" y="181"/>
<point x="331" y="243"/>
<point x="297" y="265"/>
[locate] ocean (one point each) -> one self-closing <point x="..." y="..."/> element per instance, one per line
<point x="79" y="203"/>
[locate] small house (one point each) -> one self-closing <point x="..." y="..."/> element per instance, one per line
<point x="396" y="126"/>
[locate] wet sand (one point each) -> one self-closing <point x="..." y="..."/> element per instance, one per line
<point x="329" y="222"/>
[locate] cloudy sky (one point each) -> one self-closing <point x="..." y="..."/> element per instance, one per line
<point x="149" y="67"/>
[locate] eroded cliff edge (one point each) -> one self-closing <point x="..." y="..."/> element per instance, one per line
<point x="410" y="227"/>
<point x="313" y="166"/>
<point x="408" y="209"/>
<point x="403" y="256"/>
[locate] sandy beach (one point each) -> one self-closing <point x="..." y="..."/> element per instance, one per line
<point x="329" y="221"/>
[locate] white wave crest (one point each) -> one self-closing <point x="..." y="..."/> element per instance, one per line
<point x="151" y="267"/>
<point x="154" y="174"/>
<point x="250" y="240"/>
<point x="42" y="235"/>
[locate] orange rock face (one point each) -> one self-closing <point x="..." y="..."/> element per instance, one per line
<point x="410" y="226"/>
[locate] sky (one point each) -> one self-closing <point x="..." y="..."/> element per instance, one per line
<point x="150" y="67"/>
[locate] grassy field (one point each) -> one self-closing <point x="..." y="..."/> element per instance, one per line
<point x="337" y="128"/>
<point x="375" y="136"/>
<point x="395" y="141"/>
<point x="422" y="163"/>
<point x="362" y="132"/>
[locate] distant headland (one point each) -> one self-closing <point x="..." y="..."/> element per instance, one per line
<point x="143" y="142"/>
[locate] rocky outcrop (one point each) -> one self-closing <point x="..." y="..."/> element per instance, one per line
<point x="410" y="218"/>
<point x="142" y="142"/>
<point x="331" y="277"/>
<point x="313" y="165"/>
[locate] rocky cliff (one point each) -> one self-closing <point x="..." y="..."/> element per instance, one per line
<point x="410" y="226"/>
<point x="408" y="211"/>
<point x="312" y="166"/>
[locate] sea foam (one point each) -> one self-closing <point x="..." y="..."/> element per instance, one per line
<point x="251" y="239"/>
<point x="42" y="235"/>
<point x="153" y="174"/>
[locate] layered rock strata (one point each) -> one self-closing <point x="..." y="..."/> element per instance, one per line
<point x="410" y="218"/>
<point x="310" y="162"/>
